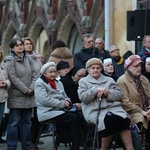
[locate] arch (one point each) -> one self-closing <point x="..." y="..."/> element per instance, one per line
<point x="35" y="30"/>
<point x="74" y="40"/>
<point x="69" y="31"/>
<point x="99" y="30"/>
<point x="7" y="36"/>
<point x="42" y="45"/>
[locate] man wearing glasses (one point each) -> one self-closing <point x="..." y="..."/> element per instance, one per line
<point x="118" y="61"/>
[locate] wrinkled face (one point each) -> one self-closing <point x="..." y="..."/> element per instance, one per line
<point x="136" y="70"/>
<point x="147" y="66"/>
<point x="115" y="52"/>
<point x="79" y="74"/>
<point x="51" y="73"/>
<point x="41" y="58"/>
<point x="18" y="48"/>
<point x="95" y="71"/>
<point x="88" y="42"/>
<point x="99" y="44"/>
<point x="147" y="42"/>
<point x="63" y="71"/>
<point x="109" y="68"/>
<point x="28" y="45"/>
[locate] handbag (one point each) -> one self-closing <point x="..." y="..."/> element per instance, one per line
<point x="72" y="109"/>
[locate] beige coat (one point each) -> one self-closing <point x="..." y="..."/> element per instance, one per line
<point x="131" y="100"/>
<point x="4" y="77"/>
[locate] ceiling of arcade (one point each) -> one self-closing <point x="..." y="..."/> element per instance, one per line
<point x="47" y="20"/>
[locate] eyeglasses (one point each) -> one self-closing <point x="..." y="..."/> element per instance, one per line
<point x="115" y="50"/>
<point x="17" y="45"/>
<point x="28" y="44"/>
<point x="80" y="76"/>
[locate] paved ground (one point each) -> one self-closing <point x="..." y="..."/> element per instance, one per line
<point x="46" y="146"/>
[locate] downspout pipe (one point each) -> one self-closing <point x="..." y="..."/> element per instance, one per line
<point x="107" y="23"/>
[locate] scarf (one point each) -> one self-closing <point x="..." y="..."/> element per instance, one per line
<point x="144" y="100"/>
<point x="119" y="60"/>
<point x="52" y="83"/>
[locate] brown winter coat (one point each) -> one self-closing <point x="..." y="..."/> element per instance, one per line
<point x="131" y="100"/>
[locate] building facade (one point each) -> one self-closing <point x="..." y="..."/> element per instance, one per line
<point x="48" y="20"/>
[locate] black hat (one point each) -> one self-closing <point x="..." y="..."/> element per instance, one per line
<point x="62" y="65"/>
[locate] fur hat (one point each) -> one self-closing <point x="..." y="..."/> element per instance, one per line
<point x="133" y="60"/>
<point x="46" y="66"/>
<point x="94" y="61"/>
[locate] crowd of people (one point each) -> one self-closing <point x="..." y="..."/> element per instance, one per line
<point x="34" y="91"/>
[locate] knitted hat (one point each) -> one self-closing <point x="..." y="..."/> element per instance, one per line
<point x="62" y="65"/>
<point x="133" y="60"/>
<point x="94" y="61"/>
<point x="46" y="66"/>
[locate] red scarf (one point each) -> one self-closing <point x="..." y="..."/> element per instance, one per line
<point x="52" y="83"/>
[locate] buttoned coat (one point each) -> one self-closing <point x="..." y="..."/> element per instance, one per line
<point x="131" y="99"/>
<point x="87" y="92"/>
<point x="50" y="102"/>
<point x="4" y="77"/>
<point x="22" y="75"/>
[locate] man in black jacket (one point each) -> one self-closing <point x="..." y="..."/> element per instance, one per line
<point x="99" y="43"/>
<point x="88" y="51"/>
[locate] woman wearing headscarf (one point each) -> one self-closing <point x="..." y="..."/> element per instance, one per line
<point x="70" y="83"/>
<point x="96" y="88"/>
<point x="146" y="67"/>
<point x="51" y="101"/>
<point x="22" y="75"/>
<point x="136" y="94"/>
<point x="109" y="68"/>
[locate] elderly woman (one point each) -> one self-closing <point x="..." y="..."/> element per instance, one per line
<point x="136" y="94"/>
<point x="22" y="76"/>
<point x="96" y="87"/>
<point x="4" y="85"/>
<point x="51" y="101"/>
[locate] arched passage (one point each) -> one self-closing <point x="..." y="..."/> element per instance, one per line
<point x="10" y="32"/>
<point x="69" y="33"/>
<point x="40" y="38"/>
